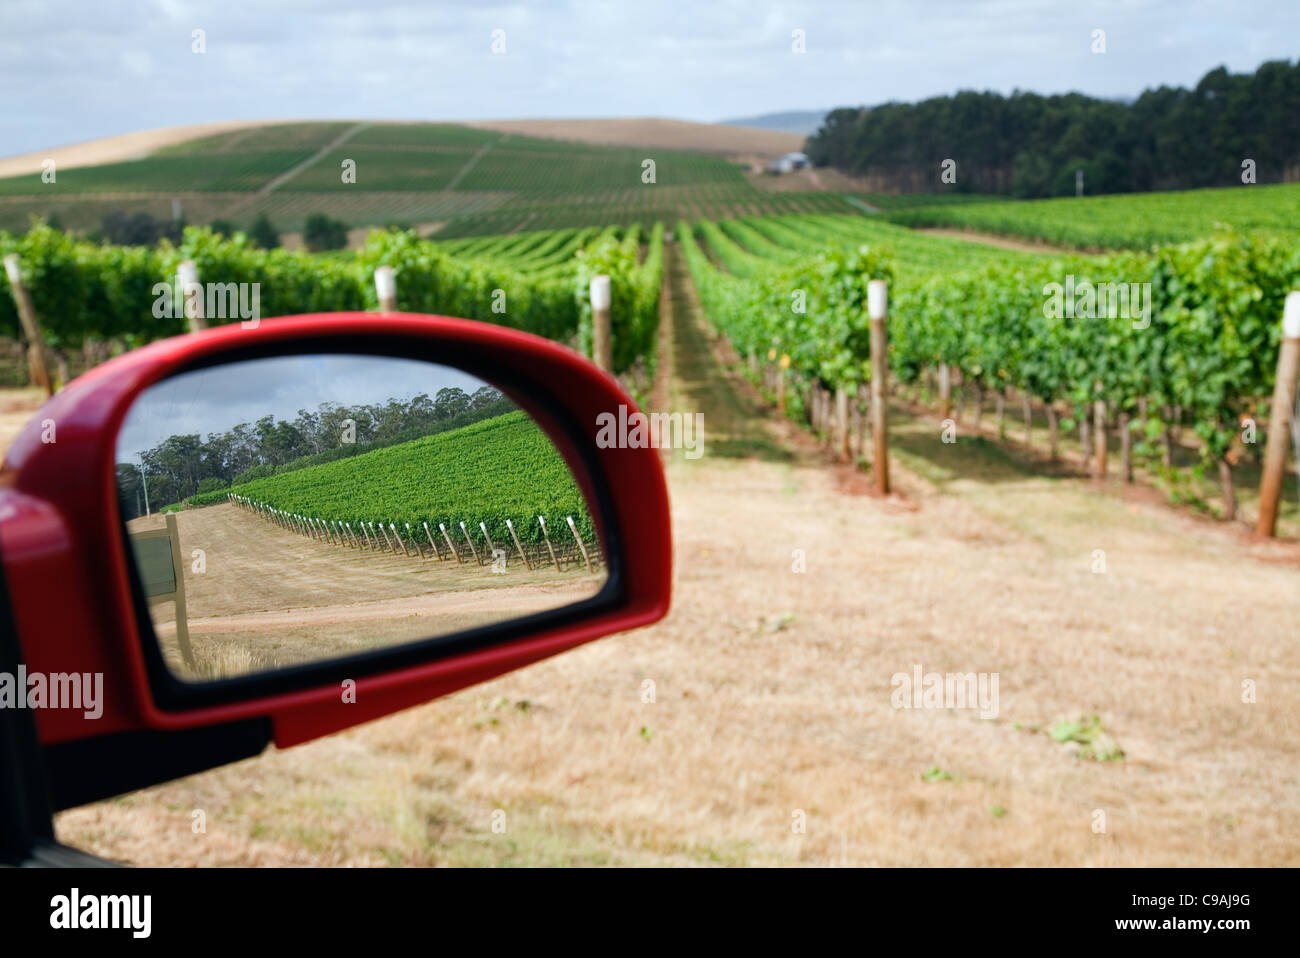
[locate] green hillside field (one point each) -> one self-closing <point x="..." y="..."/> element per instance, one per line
<point x="497" y="469"/>
<point x="458" y="180"/>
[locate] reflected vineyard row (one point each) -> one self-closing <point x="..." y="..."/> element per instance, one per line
<point x="376" y="537"/>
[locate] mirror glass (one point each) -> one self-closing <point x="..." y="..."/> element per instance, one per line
<point x="294" y="509"/>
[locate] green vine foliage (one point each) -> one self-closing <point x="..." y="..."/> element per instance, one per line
<point x="1204" y="340"/>
<point x="85" y="291"/>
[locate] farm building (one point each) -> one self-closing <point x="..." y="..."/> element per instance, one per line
<point x="789" y="162"/>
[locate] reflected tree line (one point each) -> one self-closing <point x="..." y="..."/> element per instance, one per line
<point x="185" y="466"/>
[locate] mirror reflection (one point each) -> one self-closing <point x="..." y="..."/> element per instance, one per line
<point x="295" y="509"/>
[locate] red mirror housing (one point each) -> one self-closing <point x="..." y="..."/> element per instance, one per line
<point x="75" y="606"/>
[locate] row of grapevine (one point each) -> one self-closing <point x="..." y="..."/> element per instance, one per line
<point x="1123" y="221"/>
<point x="1200" y="334"/>
<point x="497" y="469"/>
<point x="86" y="292"/>
<point x="458" y="543"/>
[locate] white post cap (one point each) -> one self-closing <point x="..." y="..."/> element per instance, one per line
<point x="600" y="292"/>
<point x="1291" y="315"/>
<point x="11" y="268"/>
<point x="385" y="283"/>
<point x="877" y="298"/>
<point x="187" y="272"/>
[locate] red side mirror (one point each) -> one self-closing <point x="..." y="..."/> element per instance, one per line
<point x="81" y="602"/>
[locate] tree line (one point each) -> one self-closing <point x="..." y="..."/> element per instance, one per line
<point x="1027" y="145"/>
<point x="182" y="466"/>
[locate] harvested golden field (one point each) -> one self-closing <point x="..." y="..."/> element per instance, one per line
<point x="116" y="149"/>
<point x="654" y="131"/>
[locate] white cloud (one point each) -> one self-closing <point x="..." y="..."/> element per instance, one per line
<point x="78" y="69"/>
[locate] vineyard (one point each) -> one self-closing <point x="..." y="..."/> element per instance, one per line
<point x="1182" y="338"/>
<point x="1124" y="221"/>
<point x="458" y="180"/>
<point x="457" y="494"/>
<point x="90" y="297"/>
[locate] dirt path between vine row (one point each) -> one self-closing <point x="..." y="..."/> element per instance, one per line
<point x="755" y="724"/>
<point x="994" y="239"/>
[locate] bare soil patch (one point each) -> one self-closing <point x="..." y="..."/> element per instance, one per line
<point x="263" y="597"/>
<point x="996" y="239"/>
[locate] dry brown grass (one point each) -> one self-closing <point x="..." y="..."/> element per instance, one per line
<point x="267" y="598"/>
<point x="17" y="407"/>
<point x="124" y="146"/>
<point x="772" y="693"/>
<point x="655" y="131"/>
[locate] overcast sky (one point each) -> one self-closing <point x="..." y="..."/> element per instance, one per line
<point x="216" y="399"/>
<point x="72" y="70"/>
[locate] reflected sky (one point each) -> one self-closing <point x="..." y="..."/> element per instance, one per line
<point x="215" y="400"/>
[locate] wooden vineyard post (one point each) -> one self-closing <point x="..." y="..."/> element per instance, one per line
<point x="877" y="310"/>
<point x="842" y="423"/>
<point x="187" y="273"/>
<point x="492" y="546"/>
<point x="400" y="541"/>
<point x="182" y="615"/>
<point x="1126" y="446"/>
<point x="864" y="421"/>
<point x="945" y="391"/>
<point x="602" y="341"/>
<point x="542" y="522"/>
<point x="1028" y="409"/>
<point x="1099" y="436"/>
<point x="1280" y="421"/>
<point x="855" y="429"/>
<point x="581" y="546"/>
<point x="523" y="555"/>
<point x="36" y="366"/>
<point x="450" y="545"/>
<point x="472" y="549"/>
<point x="162" y="572"/>
<point x="386" y="289"/>
<point x="433" y="543"/>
